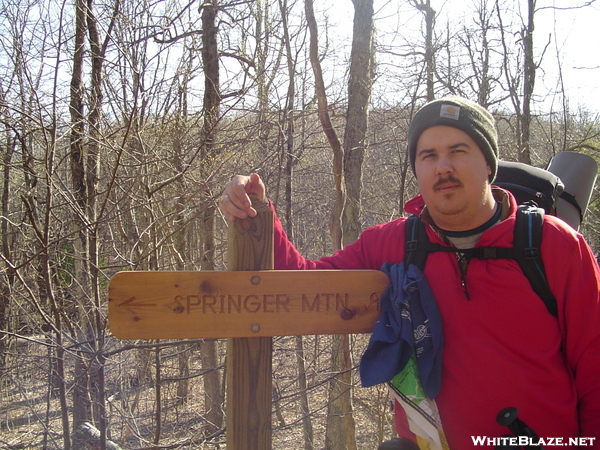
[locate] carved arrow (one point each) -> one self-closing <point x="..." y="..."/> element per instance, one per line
<point x="129" y="303"/>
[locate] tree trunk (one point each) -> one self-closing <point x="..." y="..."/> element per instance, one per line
<point x="307" y="429"/>
<point x="528" y="83"/>
<point x="335" y="226"/>
<point x="483" y="96"/>
<point x="288" y="156"/>
<point x="290" y="159"/>
<point x="340" y="413"/>
<point x="213" y="399"/>
<point x="213" y="394"/>
<point x="347" y="162"/>
<point x="180" y="243"/>
<point x="96" y="331"/>
<point x="81" y="401"/>
<point x="512" y="82"/>
<point x="429" y="15"/>
<point x="341" y="432"/>
<point x="89" y="400"/>
<point x="357" y="116"/>
<point x="429" y="49"/>
<point x="6" y="245"/>
<point x="157" y="396"/>
<point x="211" y="105"/>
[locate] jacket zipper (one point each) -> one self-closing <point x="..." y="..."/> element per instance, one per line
<point x="463" y="264"/>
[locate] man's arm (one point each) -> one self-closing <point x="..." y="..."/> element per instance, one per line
<point x="368" y="252"/>
<point x="575" y="280"/>
<point x="583" y="341"/>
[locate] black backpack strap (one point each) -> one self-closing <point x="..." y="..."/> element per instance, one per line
<point x="417" y="245"/>
<point x="526" y="250"/>
<point x="527" y="243"/>
<point x="573" y="201"/>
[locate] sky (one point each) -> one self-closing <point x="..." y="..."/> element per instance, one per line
<point x="577" y="38"/>
<point x="562" y="34"/>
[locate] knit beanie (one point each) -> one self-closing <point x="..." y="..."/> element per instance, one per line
<point x="457" y="112"/>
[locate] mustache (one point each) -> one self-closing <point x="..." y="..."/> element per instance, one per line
<point x="449" y="179"/>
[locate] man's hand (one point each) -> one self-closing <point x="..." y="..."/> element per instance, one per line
<point x="235" y="200"/>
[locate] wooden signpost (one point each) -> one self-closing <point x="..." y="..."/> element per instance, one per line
<point x="249" y="304"/>
<point x="187" y="305"/>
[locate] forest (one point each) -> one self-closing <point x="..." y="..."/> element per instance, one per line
<point x="120" y="123"/>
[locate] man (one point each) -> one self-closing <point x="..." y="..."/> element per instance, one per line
<point x="501" y="345"/>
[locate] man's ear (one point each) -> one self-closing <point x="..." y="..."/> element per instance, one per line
<point x="489" y="171"/>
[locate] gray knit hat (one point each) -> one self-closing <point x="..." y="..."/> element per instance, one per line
<point x="459" y="113"/>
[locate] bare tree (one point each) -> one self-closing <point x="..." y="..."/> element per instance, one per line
<point x="85" y="165"/>
<point x="339" y="408"/>
<point x="340" y="426"/>
<point x="477" y="43"/>
<point x="330" y="133"/>
<point x="424" y="6"/>
<point x="8" y="238"/>
<point x="362" y="69"/>
<point x="528" y="82"/>
<point x="211" y="105"/>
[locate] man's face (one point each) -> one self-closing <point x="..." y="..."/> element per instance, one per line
<point x="453" y="178"/>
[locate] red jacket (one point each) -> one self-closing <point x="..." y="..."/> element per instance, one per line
<point x="501" y="347"/>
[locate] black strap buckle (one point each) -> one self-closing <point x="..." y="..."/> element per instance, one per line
<point x="411" y="246"/>
<point x="486" y="253"/>
<point x="532" y="253"/>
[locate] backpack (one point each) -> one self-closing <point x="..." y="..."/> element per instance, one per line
<point x="531" y="187"/>
<point x="531" y="184"/>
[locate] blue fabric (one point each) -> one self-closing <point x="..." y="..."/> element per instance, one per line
<point x="409" y="323"/>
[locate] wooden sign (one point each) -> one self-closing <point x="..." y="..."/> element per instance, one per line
<point x="249" y="305"/>
<point x="180" y="305"/>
